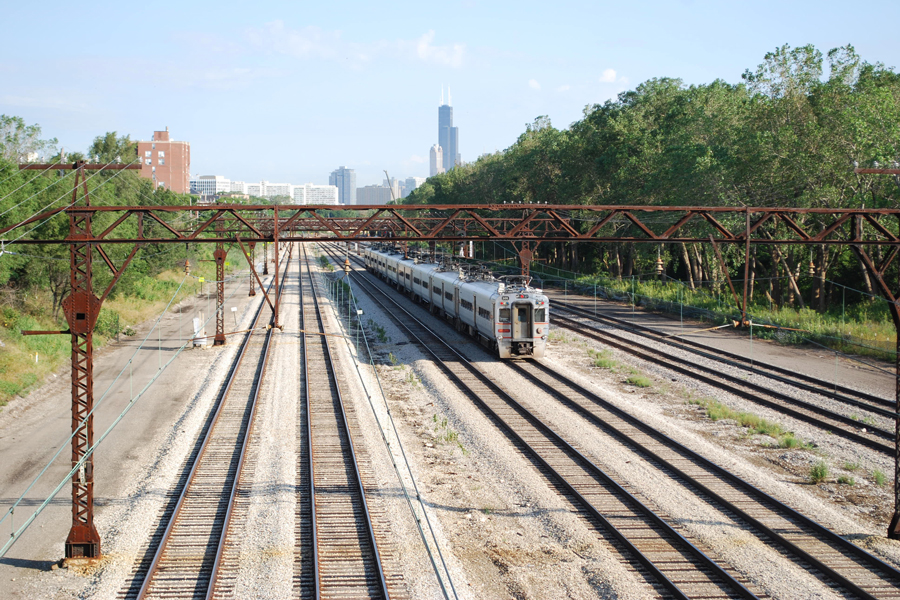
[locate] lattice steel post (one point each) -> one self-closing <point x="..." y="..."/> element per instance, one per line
<point x="219" y="256"/>
<point x="265" y="258"/>
<point x="81" y="308"/>
<point x="252" y="268"/>
<point x="277" y="288"/>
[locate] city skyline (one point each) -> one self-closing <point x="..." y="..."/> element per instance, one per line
<point x="506" y="64"/>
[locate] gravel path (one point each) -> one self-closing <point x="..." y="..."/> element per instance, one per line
<point x="503" y="529"/>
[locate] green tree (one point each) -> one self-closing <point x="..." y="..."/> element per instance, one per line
<point x="19" y="141"/>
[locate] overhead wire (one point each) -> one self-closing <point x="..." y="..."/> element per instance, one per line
<point x="14" y="536"/>
<point x="24" y="184"/>
<point x="4" y="242"/>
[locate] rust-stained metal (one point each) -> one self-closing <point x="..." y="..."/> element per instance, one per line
<point x="891" y="293"/>
<point x="219" y="256"/>
<point x="79" y="165"/>
<point x="252" y="260"/>
<point x="254" y="274"/>
<point x="724" y="267"/>
<point x="275" y="321"/>
<point x="541" y="223"/>
<point x="81" y="308"/>
<point x="525" y="226"/>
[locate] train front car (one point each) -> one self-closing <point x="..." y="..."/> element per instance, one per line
<point x="522" y="319"/>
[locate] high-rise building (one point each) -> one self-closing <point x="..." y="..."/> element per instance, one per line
<point x="373" y="194"/>
<point x="166" y="163"/>
<point x="310" y="193"/>
<point x="437" y="161"/>
<point x="210" y="185"/>
<point x="345" y="180"/>
<point x="409" y="184"/>
<point x="448" y="135"/>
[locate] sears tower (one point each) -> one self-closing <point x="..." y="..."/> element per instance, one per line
<point x="448" y="135"/>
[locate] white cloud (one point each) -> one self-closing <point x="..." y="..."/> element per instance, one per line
<point x="450" y="56"/>
<point x="533" y="84"/>
<point x="312" y="42"/>
<point x="564" y="88"/>
<point x="608" y="76"/>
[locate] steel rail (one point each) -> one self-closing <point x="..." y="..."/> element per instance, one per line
<point x="344" y="426"/>
<point x="847" y="395"/>
<point x="672" y="537"/>
<point x="177" y="511"/>
<point x="621" y="430"/>
<point x="245" y="444"/>
<point x="688" y="368"/>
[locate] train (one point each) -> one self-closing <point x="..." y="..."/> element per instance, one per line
<point x="505" y="314"/>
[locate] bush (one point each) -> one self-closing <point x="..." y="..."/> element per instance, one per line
<point x="639" y="381"/>
<point x="107" y="322"/>
<point x="879" y="478"/>
<point x="818" y="472"/>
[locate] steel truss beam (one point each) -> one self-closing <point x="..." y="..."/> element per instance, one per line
<point x="524" y="225"/>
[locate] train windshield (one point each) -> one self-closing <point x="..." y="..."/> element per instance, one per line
<point x="504" y="315"/>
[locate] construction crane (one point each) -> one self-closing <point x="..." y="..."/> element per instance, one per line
<point x="390" y="185"/>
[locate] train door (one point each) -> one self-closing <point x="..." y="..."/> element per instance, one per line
<point x="522" y="325"/>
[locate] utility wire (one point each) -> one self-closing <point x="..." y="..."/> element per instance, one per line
<point x="16" y="534"/>
<point x="24" y="184"/>
<point x="2" y="242"/>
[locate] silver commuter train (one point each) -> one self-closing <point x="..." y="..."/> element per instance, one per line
<point x="506" y="314"/>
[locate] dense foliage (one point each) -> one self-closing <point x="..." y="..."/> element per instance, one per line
<point x="44" y="269"/>
<point x="788" y="135"/>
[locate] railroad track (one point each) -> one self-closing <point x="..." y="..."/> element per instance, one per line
<point x="852" y="397"/>
<point x="871" y="436"/>
<point x="847" y="567"/>
<point x="675" y="566"/>
<point x="187" y="561"/>
<point x="340" y="537"/>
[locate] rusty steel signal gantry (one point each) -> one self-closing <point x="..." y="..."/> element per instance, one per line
<point x="525" y="226"/>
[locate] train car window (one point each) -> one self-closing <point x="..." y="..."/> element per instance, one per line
<point x="504" y="315"/>
<point x="539" y="315"/>
<point x="416" y="280"/>
<point x="436" y="289"/>
<point x="522" y="315"/>
<point x="448" y="295"/>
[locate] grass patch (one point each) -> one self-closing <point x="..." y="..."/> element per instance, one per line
<point x="602" y="359"/>
<point x="716" y="411"/>
<point x="818" y="472"/>
<point x="20" y="372"/>
<point x="640" y="381"/>
<point x="851" y="466"/>
<point x="879" y="478"/>
<point x="325" y="264"/>
<point x="380" y="333"/>
<point x="559" y="335"/>
<point x="445" y="434"/>
<point x="790" y="442"/>
<point x="846" y="480"/>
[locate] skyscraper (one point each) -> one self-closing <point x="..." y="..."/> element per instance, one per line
<point x="448" y="135"/>
<point x="437" y="161"/>
<point x="345" y="180"/>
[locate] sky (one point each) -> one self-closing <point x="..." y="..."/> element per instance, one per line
<point x="289" y="91"/>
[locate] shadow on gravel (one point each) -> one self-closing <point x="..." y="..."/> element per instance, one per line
<point x="24" y="563"/>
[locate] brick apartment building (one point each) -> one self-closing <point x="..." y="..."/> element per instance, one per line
<point x="166" y="162"/>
